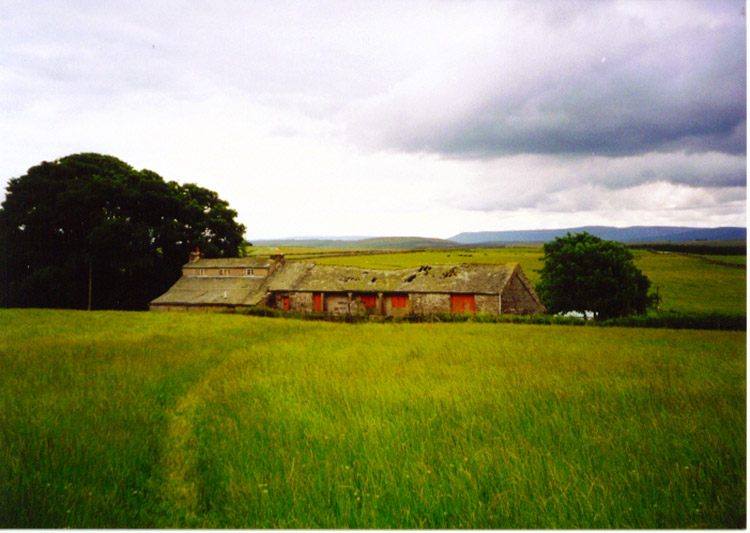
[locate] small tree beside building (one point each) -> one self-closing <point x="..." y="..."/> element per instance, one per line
<point x="583" y="273"/>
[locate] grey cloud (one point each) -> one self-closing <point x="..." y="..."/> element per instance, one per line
<point x="638" y="90"/>
<point x="536" y="181"/>
<point x="715" y="170"/>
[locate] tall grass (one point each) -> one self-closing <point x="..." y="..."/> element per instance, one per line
<point x="183" y="420"/>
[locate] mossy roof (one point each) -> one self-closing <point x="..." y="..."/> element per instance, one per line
<point x="463" y="278"/>
<point x="232" y="262"/>
<point x="312" y="277"/>
<point x="196" y="290"/>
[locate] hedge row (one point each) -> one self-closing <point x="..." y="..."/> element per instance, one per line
<point x="708" y="321"/>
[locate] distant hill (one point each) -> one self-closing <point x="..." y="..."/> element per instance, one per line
<point x="372" y="242"/>
<point x="630" y="234"/>
<point x="640" y="234"/>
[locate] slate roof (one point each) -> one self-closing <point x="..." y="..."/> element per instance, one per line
<point x="464" y="278"/>
<point x="195" y="290"/>
<point x="232" y="262"/>
<point x="312" y="277"/>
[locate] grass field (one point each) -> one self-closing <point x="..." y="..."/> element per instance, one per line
<point x="188" y="420"/>
<point x="686" y="284"/>
<point x="691" y="284"/>
<point x="734" y="259"/>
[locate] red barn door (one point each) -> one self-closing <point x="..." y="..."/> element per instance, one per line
<point x="462" y="303"/>
<point x="398" y="300"/>
<point x="317" y="302"/>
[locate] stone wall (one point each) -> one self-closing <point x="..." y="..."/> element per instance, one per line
<point x="518" y="299"/>
<point x="195" y="308"/>
<point x="230" y="272"/>
<point x="390" y="310"/>
<point x="301" y="302"/>
<point x="487" y="303"/>
<point x="425" y="304"/>
<point x="336" y="304"/>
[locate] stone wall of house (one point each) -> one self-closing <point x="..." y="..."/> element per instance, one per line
<point x="358" y="307"/>
<point x="390" y="310"/>
<point x="195" y="308"/>
<point x="231" y="272"/>
<point x="426" y="304"/>
<point x="336" y="304"/>
<point x="517" y="299"/>
<point x="301" y="302"/>
<point x="487" y="303"/>
<point x="158" y="307"/>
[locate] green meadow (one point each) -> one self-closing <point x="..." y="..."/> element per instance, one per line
<point x="164" y="420"/>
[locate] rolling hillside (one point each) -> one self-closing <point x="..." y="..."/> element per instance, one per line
<point x="630" y="234"/>
<point x="372" y="243"/>
<point x="640" y="234"/>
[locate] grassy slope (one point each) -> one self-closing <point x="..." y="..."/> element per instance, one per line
<point x="686" y="284"/>
<point x="734" y="259"/>
<point x="694" y="285"/>
<point x="181" y="420"/>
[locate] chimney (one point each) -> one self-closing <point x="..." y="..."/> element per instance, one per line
<point x="276" y="261"/>
<point x="194" y="256"/>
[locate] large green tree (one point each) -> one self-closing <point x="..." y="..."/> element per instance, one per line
<point x="89" y="231"/>
<point x="584" y="273"/>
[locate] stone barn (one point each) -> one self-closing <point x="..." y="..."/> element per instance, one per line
<point x="492" y="289"/>
<point x="308" y="287"/>
<point x="208" y="284"/>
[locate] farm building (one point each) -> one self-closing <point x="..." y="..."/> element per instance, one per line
<point x="308" y="287"/>
<point x="219" y="283"/>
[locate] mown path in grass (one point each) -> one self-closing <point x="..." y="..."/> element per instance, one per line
<point x="180" y="491"/>
<point x="182" y="420"/>
<point x="180" y="460"/>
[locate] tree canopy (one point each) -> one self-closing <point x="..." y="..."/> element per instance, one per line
<point x="91" y="220"/>
<point x="584" y="273"/>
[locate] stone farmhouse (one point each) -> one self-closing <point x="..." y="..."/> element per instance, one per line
<point x="308" y="287"/>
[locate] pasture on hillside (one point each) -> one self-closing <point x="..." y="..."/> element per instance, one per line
<point x="163" y="420"/>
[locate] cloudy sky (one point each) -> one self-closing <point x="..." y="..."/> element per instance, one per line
<point x="415" y="117"/>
